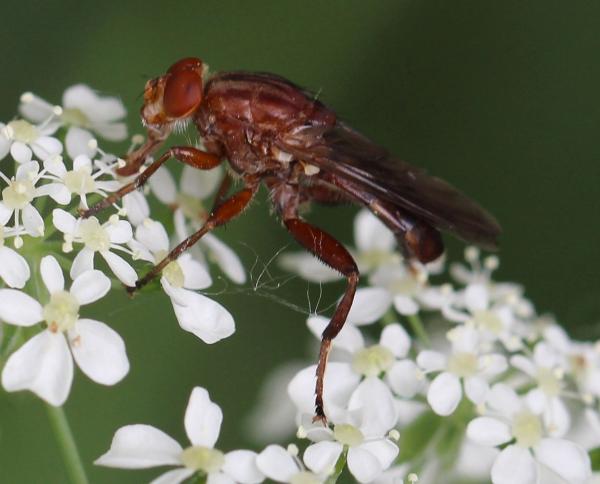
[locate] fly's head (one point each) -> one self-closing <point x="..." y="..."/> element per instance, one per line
<point x="175" y="96"/>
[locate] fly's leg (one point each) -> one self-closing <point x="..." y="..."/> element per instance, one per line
<point x="186" y="154"/>
<point x="227" y="210"/>
<point x="332" y="253"/>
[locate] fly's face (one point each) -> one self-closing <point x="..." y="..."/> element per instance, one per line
<point x="174" y="96"/>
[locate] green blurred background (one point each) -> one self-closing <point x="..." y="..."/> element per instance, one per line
<point x="500" y="98"/>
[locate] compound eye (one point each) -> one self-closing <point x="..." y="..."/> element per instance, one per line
<point x="183" y="93"/>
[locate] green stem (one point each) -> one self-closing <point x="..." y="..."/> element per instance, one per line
<point x="417" y="326"/>
<point x="339" y="467"/>
<point x="66" y="442"/>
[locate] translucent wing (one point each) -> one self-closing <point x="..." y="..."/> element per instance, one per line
<point x="345" y="153"/>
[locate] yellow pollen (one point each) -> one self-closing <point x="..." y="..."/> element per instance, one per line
<point x="373" y="360"/>
<point x="463" y="364"/>
<point x="21" y="130"/>
<point x="62" y="312"/>
<point x="527" y="429"/>
<point x="349" y="435"/>
<point x="203" y="459"/>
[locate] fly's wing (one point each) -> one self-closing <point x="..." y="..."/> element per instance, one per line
<point x="344" y="152"/>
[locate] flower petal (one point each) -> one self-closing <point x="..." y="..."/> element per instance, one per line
<point x="153" y="235"/>
<point x="64" y="221"/>
<point x="46" y="147"/>
<point x="322" y="456"/>
<point x="5" y="213"/>
<point x="514" y="465"/>
<point x="405" y="378"/>
<point x="136" y="206"/>
<point x="203" y="419"/>
<point x="124" y="272"/>
<point x="276" y="463"/>
<point x="83" y="262"/>
<point x="567" y="459"/>
<point x="476" y="389"/>
<point x="395" y="338"/>
<point x="241" y="466"/>
<point x="405" y="305"/>
<point x="56" y="166"/>
<point x="33" y="221"/>
<point x="488" y="431"/>
<point x="42" y="365"/>
<point x="374" y="406"/>
<point x="200" y="184"/>
<point x="97" y="109"/>
<point x="363" y="465"/>
<point x="57" y="191"/>
<point x="119" y="232"/>
<point x="90" y="286"/>
<point x="14" y="270"/>
<point x="52" y="274"/>
<point x="383" y="449"/>
<point x="200" y="315"/>
<point x="173" y="477"/>
<point x="225" y="258"/>
<point x="504" y="399"/>
<point x="431" y="360"/>
<point x="369" y="305"/>
<point x="99" y="351"/>
<point x="163" y="186"/>
<point x="140" y="447"/>
<point x="370" y="234"/>
<point x="444" y="394"/>
<point x="19" y="308"/>
<point x="20" y="152"/>
<point x="77" y="142"/>
<point x="308" y="267"/>
<point x="195" y="275"/>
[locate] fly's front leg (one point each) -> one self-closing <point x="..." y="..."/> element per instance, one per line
<point x="335" y="255"/>
<point x="220" y="215"/>
<point x="186" y="154"/>
<point x="135" y="159"/>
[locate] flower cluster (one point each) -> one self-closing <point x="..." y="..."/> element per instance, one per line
<point x="449" y="380"/>
<point x="53" y="168"/>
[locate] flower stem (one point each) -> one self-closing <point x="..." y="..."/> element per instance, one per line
<point x="339" y="467"/>
<point x="417" y="326"/>
<point x="66" y="442"/>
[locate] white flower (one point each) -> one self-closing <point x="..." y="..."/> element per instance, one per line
<point x="495" y="320"/>
<point x="387" y="357"/>
<point x="44" y="364"/>
<point x="144" y="446"/>
<point x="23" y="140"/>
<point x="17" y="198"/>
<point x="151" y="243"/>
<point x="547" y="369"/>
<point x="84" y="112"/>
<point x="466" y="366"/>
<point x="199" y="315"/>
<point x="80" y="181"/>
<point x="362" y="431"/>
<point x="95" y="237"/>
<point x="281" y="465"/>
<point x="519" y="462"/>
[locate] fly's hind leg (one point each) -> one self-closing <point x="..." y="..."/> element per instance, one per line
<point x="332" y="253"/>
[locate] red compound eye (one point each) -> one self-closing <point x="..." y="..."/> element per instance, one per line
<point x="183" y="89"/>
